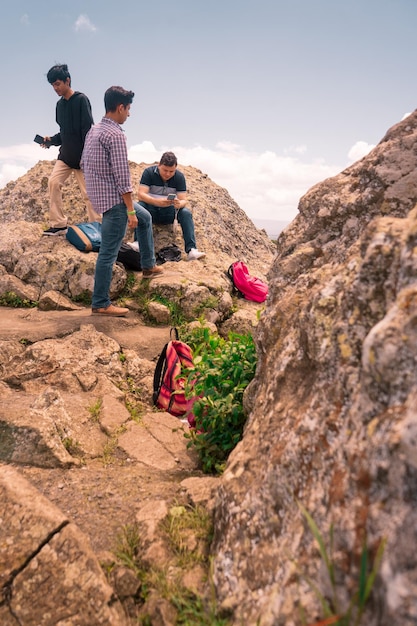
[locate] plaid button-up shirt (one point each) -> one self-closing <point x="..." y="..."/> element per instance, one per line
<point x="105" y="165"/>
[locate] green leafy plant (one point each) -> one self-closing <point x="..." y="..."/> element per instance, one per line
<point x="223" y="370"/>
<point x="333" y="612"/>
<point x="9" y="298"/>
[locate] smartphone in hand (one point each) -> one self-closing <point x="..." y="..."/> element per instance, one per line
<point x="39" y="139"/>
<point x="171" y="196"/>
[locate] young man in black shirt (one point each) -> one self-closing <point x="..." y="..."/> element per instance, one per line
<point x="74" y="118"/>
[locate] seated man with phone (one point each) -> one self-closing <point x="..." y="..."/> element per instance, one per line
<point x="163" y="192"/>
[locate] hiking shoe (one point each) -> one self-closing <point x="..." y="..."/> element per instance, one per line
<point x="55" y="231"/>
<point x="152" y="272"/>
<point x="111" y="310"/>
<point x="195" y="254"/>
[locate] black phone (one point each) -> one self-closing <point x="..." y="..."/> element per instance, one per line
<point x="39" y="139"/>
<point x="171" y="196"/>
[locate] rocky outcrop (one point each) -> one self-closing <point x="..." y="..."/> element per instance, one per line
<point x="62" y="400"/>
<point x="31" y="265"/>
<point x="332" y="410"/>
<point x="333" y="406"/>
<point x="76" y="419"/>
<point x="76" y="413"/>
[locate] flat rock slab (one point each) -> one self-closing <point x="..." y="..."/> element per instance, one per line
<point x="158" y="441"/>
<point x="33" y="325"/>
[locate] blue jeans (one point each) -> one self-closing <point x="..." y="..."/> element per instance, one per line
<point x="167" y="215"/>
<point x="144" y="235"/>
<point x="113" y="230"/>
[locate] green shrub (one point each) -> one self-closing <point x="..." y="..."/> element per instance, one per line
<point x="223" y="370"/>
<point x="10" y="299"/>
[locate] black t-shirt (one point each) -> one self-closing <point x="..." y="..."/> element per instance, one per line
<point x="74" y="118"/>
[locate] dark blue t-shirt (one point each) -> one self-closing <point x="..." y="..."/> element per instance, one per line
<point x="157" y="187"/>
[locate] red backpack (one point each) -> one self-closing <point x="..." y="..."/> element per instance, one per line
<point x="247" y="286"/>
<point x="168" y="384"/>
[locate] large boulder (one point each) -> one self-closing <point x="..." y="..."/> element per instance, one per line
<point x="333" y="406"/>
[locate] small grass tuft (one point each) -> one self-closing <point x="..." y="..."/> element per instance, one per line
<point x="110" y="448"/>
<point x="331" y="607"/>
<point x="181" y="522"/>
<point x="95" y="410"/>
<point x="189" y="531"/>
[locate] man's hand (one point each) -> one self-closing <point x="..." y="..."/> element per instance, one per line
<point x="164" y="202"/>
<point x="132" y="221"/>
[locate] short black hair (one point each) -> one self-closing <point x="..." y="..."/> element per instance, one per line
<point x="115" y="96"/>
<point x="58" y="72"/>
<point x="169" y="159"/>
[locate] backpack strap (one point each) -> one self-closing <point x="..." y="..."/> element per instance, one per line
<point x="162" y="366"/>
<point x="235" y="289"/>
<point x="158" y="377"/>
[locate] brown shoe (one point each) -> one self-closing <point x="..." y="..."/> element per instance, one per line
<point x="152" y="272"/>
<point x="114" y="311"/>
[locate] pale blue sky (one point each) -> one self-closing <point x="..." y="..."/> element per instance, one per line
<point x="266" y="96"/>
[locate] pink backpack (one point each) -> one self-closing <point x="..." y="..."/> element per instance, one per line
<point x="247" y="286"/>
<point x="168" y="383"/>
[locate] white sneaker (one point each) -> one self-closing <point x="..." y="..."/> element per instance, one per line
<point x="195" y="254"/>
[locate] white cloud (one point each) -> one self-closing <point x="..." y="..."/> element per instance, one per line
<point x="83" y="23"/>
<point x="25" y="19"/>
<point x="359" y="150"/>
<point x="15" y="161"/>
<point x="265" y="185"/>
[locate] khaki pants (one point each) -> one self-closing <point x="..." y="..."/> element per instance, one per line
<point x="59" y="175"/>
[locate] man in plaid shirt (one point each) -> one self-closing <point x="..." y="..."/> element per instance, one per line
<point x="106" y="169"/>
